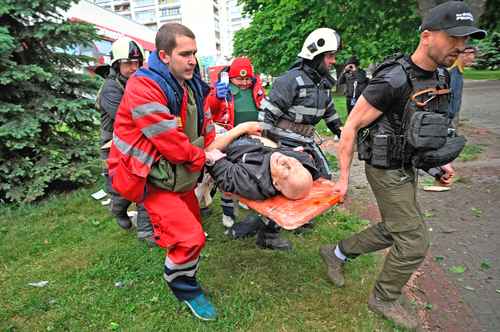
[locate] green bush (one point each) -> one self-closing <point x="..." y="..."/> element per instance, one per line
<point x="48" y="126"/>
<point x="489" y="52"/>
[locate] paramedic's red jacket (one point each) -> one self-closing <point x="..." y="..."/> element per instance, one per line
<point x="149" y="124"/>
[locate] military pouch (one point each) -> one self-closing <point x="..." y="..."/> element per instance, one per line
<point x="174" y="177"/>
<point x="364" y="146"/>
<point x="381" y="152"/>
<point x="427" y="130"/>
<point x="442" y="156"/>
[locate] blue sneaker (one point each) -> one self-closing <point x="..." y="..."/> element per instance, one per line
<point x="202" y="308"/>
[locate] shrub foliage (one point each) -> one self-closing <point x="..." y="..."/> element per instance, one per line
<point x="48" y="126"/>
<point x="489" y="52"/>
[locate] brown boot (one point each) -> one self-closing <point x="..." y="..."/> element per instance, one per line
<point x="335" y="265"/>
<point x="394" y="311"/>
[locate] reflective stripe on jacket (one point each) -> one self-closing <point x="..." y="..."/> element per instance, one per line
<point x="148" y="124"/>
<point x="298" y="98"/>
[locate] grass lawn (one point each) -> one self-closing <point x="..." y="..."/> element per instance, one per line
<point x="71" y="241"/>
<point x="471" y="152"/>
<point x="340" y="106"/>
<point x="473" y="74"/>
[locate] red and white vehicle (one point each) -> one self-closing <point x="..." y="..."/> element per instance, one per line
<point x="110" y="27"/>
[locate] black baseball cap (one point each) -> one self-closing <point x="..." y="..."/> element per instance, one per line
<point x="453" y="17"/>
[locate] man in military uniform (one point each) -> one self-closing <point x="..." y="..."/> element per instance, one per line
<point x="382" y="107"/>
<point x="302" y="96"/>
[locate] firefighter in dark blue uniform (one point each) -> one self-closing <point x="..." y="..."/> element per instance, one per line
<point x="302" y="96"/>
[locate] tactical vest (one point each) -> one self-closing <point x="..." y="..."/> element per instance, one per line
<point x="418" y="136"/>
<point x="178" y="178"/>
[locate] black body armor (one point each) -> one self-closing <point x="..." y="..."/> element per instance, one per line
<point x="419" y="135"/>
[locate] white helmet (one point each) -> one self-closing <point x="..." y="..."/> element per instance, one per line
<point x="126" y="48"/>
<point x="320" y="41"/>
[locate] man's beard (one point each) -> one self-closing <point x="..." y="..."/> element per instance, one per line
<point x="323" y="69"/>
<point x="443" y="60"/>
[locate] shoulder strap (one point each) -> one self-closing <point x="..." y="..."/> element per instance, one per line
<point x="173" y="100"/>
<point x="120" y="84"/>
<point x="389" y="61"/>
<point x="410" y="73"/>
<point x="443" y="76"/>
<point x="98" y="99"/>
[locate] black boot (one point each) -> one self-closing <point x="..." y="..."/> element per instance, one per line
<point x="268" y="237"/>
<point x="119" y="208"/>
<point x="246" y="228"/>
<point x="305" y="229"/>
<point x="205" y="212"/>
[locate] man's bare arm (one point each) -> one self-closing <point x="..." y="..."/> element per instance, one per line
<point x="361" y="116"/>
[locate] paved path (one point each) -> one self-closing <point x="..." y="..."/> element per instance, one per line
<point x="481" y="104"/>
<point x="465" y="221"/>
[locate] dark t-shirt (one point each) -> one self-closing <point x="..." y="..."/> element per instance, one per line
<point x="390" y="89"/>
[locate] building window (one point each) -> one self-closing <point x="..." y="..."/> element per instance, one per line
<point x="145" y="16"/>
<point x="143" y="3"/>
<point x="122" y="8"/>
<point x="174" y="11"/>
<point x="168" y="2"/>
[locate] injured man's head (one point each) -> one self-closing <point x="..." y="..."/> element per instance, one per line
<point x="289" y="176"/>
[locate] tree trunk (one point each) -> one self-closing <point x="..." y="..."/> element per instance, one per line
<point x="477" y="6"/>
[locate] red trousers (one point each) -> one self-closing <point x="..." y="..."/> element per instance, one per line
<point x="176" y="223"/>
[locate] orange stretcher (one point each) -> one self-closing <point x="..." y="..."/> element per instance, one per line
<point x="291" y="214"/>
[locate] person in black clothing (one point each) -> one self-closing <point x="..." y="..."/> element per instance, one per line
<point x="255" y="168"/>
<point x="355" y="81"/>
<point x="256" y="171"/>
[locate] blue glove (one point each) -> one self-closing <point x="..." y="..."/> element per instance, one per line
<point x="221" y="90"/>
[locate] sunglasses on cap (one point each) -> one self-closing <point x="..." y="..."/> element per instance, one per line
<point x="129" y="61"/>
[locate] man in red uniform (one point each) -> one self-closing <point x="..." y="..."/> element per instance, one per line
<point x="157" y="156"/>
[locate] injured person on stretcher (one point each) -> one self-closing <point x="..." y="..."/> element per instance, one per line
<point x="254" y="167"/>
